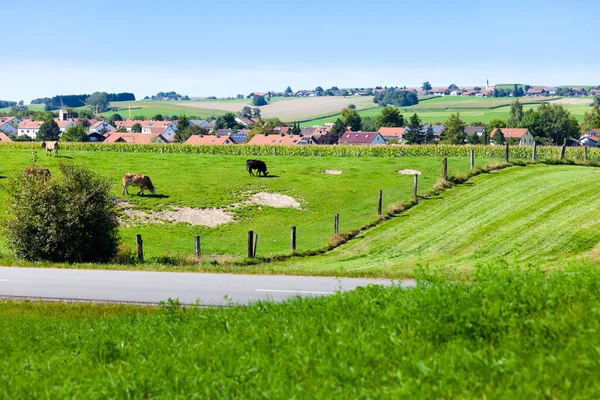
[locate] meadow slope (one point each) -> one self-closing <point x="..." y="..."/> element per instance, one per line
<point x="538" y="215"/>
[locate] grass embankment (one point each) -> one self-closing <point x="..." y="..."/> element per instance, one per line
<point x="536" y="215"/>
<point x="218" y="181"/>
<point x="506" y="334"/>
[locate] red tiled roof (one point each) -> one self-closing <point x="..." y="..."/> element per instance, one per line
<point x="30" y="124"/>
<point x="276" y="139"/>
<point x="358" y="137"/>
<point x="511" y="133"/>
<point x="4" y="138"/>
<point x="396" y="132"/>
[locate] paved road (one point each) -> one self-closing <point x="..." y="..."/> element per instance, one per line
<point x="152" y="287"/>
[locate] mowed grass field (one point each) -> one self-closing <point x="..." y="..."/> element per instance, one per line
<point x="508" y="333"/>
<point x="216" y="181"/>
<point x="539" y="215"/>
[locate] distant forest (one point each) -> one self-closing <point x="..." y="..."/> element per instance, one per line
<point x="6" y="103"/>
<point x="77" y="100"/>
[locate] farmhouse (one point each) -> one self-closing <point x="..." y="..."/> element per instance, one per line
<point x="594" y="92"/>
<point x="201" y="123"/>
<point x="246" y="121"/>
<point x="101" y="126"/>
<point x="535" y="92"/>
<point x="281" y="139"/>
<point x="362" y="138"/>
<point x="137" y="138"/>
<point x="4" y="138"/>
<point x="392" y="133"/>
<point x="210" y="139"/>
<point x="475" y="130"/>
<point x="9" y="125"/>
<point x="590" y="141"/>
<point x="438" y="91"/>
<point x="65" y="124"/>
<point x="29" y="127"/>
<point x="550" y="90"/>
<point x="437" y="130"/>
<point x="521" y="135"/>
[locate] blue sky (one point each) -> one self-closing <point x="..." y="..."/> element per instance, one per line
<point x="227" y="47"/>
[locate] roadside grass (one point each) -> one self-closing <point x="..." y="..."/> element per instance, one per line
<point x="509" y="333"/>
<point x="538" y="215"/>
<point x="217" y="181"/>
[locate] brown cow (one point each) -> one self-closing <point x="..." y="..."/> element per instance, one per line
<point x="142" y="181"/>
<point x="33" y="171"/>
<point x="51" y="147"/>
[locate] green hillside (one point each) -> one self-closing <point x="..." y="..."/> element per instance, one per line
<point x="537" y="215"/>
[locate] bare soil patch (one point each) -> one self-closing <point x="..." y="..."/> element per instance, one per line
<point x="332" y="171"/>
<point x="274" y="200"/>
<point x="571" y="101"/>
<point x="210" y="217"/>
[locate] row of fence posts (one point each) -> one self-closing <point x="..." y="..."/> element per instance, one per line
<point x="253" y="238"/>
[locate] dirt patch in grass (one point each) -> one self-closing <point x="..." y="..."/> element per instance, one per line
<point x="274" y="200"/>
<point x="332" y="171"/>
<point x="210" y="217"/>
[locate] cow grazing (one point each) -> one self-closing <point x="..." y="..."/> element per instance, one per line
<point x="258" y="165"/>
<point x="139" y="180"/>
<point x="38" y="172"/>
<point x="51" y="147"/>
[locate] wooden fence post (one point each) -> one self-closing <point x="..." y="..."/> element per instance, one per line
<point x="534" y="151"/>
<point x="445" y="168"/>
<point x="197" y="246"/>
<point x="506" y="153"/>
<point x="585" y="154"/>
<point x="139" y="246"/>
<point x="563" y="149"/>
<point x="336" y="223"/>
<point x="472" y="159"/>
<point x="293" y="239"/>
<point x="250" y="244"/>
<point x="416" y="183"/>
<point x="380" y="202"/>
<point x="162" y="150"/>
<point x="274" y="150"/>
<point x="255" y="246"/>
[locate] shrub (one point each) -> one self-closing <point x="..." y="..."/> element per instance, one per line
<point x="72" y="219"/>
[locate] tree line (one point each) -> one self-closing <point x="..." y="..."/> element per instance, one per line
<point x="78" y="100"/>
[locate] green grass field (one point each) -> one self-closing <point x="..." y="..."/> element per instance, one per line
<point x="472" y="109"/>
<point x="216" y="181"/>
<point x="506" y="334"/>
<point x="537" y="215"/>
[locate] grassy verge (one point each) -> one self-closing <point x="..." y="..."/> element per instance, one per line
<point x="510" y="333"/>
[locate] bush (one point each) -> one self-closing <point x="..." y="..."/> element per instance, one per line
<point x="72" y="219"/>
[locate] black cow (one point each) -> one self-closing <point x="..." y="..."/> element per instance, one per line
<point x="258" y="165"/>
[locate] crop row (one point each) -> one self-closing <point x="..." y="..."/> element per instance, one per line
<point x="516" y="152"/>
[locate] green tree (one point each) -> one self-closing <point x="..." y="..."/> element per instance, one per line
<point x="496" y="123"/>
<point x="75" y="133"/>
<point x="337" y="130"/>
<point x="368" y="124"/>
<point x="256" y="112"/>
<point x="49" y="130"/>
<point x="288" y="91"/>
<point x="157" y="117"/>
<point x="246" y="111"/>
<point x="295" y="128"/>
<point x="455" y="130"/>
<point x="226" y="121"/>
<point x="182" y="123"/>
<point x="485" y="138"/>
<point x="352" y="119"/>
<point x="516" y="114"/>
<point x="258" y="101"/>
<point x="136" y="128"/>
<point x="498" y="136"/>
<point x="319" y="91"/>
<point x="426" y="86"/>
<point x="389" y="117"/>
<point x="73" y="219"/>
<point x="474" y="139"/>
<point x="591" y="119"/>
<point x="115" y="117"/>
<point x="98" y="101"/>
<point x="413" y="133"/>
<point x="429" y="135"/>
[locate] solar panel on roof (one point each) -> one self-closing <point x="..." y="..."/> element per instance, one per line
<point x="239" y="137"/>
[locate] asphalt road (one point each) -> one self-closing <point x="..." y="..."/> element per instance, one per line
<point x="152" y="287"/>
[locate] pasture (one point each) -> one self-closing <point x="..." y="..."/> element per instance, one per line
<point x="508" y="333"/>
<point x="220" y="185"/>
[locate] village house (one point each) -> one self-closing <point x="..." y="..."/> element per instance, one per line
<point x="210" y="140"/>
<point x="9" y="125"/>
<point x="392" y="134"/>
<point x="246" y="121"/>
<point x="200" y="123"/>
<point x="29" y="127"/>
<point x="535" y="92"/>
<point x="438" y="91"/>
<point x="437" y="130"/>
<point x="590" y="138"/>
<point x="101" y="127"/>
<point x="594" y="92"/>
<point x="4" y="138"/>
<point x="550" y="90"/>
<point x="281" y="139"/>
<point x="362" y="138"/>
<point x="521" y="135"/>
<point x="136" y="138"/>
<point x="475" y="130"/>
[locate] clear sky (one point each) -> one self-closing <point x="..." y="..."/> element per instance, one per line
<point x="226" y="47"/>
